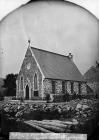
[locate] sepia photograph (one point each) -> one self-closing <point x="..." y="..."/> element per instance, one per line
<point x="49" y="70"/>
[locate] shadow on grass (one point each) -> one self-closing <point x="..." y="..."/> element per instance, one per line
<point x="9" y="124"/>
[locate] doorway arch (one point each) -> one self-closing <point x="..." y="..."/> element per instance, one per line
<point x="27" y="92"/>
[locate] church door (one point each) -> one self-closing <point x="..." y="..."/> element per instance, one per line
<point x="27" y="92"/>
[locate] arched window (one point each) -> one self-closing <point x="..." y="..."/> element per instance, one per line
<point x="21" y="82"/>
<point x="35" y="82"/>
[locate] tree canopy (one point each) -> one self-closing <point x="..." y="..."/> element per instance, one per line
<point x="10" y="84"/>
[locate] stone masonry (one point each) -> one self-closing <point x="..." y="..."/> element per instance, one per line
<point x="67" y="86"/>
<point x="51" y="86"/>
<point x="28" y="76"/>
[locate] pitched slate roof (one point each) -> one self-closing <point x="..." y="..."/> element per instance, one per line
<point x="57" y="66"/>
<point x="92" y="74"/>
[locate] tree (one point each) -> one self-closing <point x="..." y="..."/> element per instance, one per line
<point x="10" y="84"/>
<point x="2" y="93"/>
<point x="2" y="89"/>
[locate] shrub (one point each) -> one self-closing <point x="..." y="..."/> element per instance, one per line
<point x="47" y="97"/>
<point x="13" y="97"/>
<point x="1" y="98"/>
<point x="21" y="100"/>
<point x="58" y="97"/>
<point x="66" y="97"/>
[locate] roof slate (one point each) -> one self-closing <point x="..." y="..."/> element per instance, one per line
<point x="57" y="66"/>
<point x="92" y="75"/>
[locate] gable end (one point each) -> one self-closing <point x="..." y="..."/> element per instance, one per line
<point x="37" y="63"/>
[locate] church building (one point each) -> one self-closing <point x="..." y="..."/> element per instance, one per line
<point x="43" y="72"/>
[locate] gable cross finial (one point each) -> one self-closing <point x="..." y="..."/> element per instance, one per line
<point x="29" y="41"/>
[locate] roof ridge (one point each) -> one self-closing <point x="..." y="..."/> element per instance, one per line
<point x="49" y="52"/>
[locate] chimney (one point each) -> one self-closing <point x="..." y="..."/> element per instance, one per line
<point x="70" y="56"/>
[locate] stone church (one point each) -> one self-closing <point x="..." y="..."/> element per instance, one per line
<point x="47" y="72"/>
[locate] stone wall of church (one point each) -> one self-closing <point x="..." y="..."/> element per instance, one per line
<point x="27" y="71"/>
<point x="67" y="86"/>
<point x="83" y="88"/>
<point x="58" y="85"/>
<point x="48" y="86"/>
<point x="47" y="83"/>
<point x="20" y="95"/>
<point x="76" y="90"/>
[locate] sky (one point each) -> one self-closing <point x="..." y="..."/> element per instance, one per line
<point x="7" y="6"/>
<point x="9" y="65"/>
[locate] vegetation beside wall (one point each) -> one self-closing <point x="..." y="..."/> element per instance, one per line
<point x="10" y="84"/>
<point x="67" y="97"/>
<point x="41" y="111"/>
